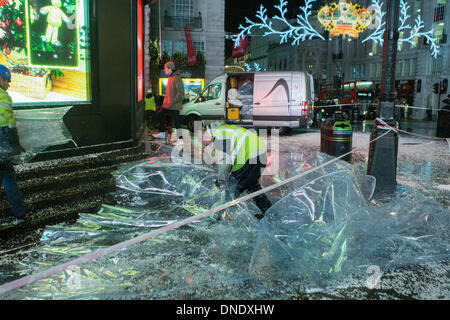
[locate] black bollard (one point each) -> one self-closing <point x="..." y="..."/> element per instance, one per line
<point x="443" y="120"/>
<point x="382" y="162"/>
<point x="355" y="115"/>
<point x="383" y="152"/>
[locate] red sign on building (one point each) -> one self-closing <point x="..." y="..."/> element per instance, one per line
<point x="191" y="58"/>
<point x="241" y="49"/>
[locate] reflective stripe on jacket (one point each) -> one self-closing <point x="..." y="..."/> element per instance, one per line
<point x="6" y="111"/>
<point x="244" y="144"/>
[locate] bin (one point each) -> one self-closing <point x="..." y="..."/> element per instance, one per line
<point x="336" y="138"/>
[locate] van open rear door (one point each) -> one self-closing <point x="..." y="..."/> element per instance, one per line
<point x="240" y="100"/>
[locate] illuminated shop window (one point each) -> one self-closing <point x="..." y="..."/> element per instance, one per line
<point x="439" y="32"/>
<point x="374" y="47"/>
<point x="46" y="46"/>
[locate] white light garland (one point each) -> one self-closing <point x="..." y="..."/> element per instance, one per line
<point x="416" y="31"/>
<point x="256" y="67"/>
<point x="304" y="31"/>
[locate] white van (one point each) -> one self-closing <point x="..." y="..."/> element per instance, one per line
<point x="255" y="99"/>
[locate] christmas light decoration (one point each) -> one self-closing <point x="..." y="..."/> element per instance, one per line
<point x="304" y="30"/>
<point x="344" y="18"/>
<point x="354" y="21"/>
<point x="378" y="23"/>
<point x="415" y="32"/>
<point x="256" y="67"/>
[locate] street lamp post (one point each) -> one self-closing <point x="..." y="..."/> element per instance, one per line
<point x="382" y="162"/>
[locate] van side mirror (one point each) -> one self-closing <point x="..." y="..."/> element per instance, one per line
<point x="201" y="99"/>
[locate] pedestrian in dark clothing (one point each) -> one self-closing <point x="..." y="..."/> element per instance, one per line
<point x="397" y="116"/>
<point x="9" y="146"/>
<point x="319" y="119"/>
<point x="173" y="100"/>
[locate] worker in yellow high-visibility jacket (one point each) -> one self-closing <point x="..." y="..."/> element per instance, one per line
<point x="243" y="158"/>
<point x="150" y="109"/>
<point x="9" y="146"/>
<point x="150" y="101"/>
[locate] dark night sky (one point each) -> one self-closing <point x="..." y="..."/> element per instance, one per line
<point x="237" y="10"/>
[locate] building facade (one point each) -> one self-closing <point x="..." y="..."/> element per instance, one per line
<point x="205" y="21"/>
<point x="349" y="59"/>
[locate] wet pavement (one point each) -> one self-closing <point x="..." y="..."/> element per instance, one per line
<point x="193" y="263"/>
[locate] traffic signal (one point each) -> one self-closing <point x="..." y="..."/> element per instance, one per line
<point x="436" y="88"/>
<point x="447" y="102"/>
<point x="444" y="85"/>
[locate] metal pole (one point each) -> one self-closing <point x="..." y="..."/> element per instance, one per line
<point x="439" y="96"/>
<point x="159" y="25"/>
<point x="382" y="163"/>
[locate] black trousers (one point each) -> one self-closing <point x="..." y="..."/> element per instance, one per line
<point x="247" y="178"/>
<point x="174" y="116"/>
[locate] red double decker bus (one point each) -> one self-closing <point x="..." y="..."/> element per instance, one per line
<point x="328" y="94"/>
<point x="350" y="95"/>
<point x="357" y="92"/>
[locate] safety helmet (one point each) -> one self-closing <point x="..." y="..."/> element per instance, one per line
<point x="5" y="73"/>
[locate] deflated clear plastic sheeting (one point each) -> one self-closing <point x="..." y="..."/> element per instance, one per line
<point x="39" y="129"/>
<point x="321" y="230"/>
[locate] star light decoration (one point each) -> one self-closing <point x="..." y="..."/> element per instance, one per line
<point x="304" y="31"/>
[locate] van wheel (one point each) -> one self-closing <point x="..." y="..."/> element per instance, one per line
<point x="190" y="122"/>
